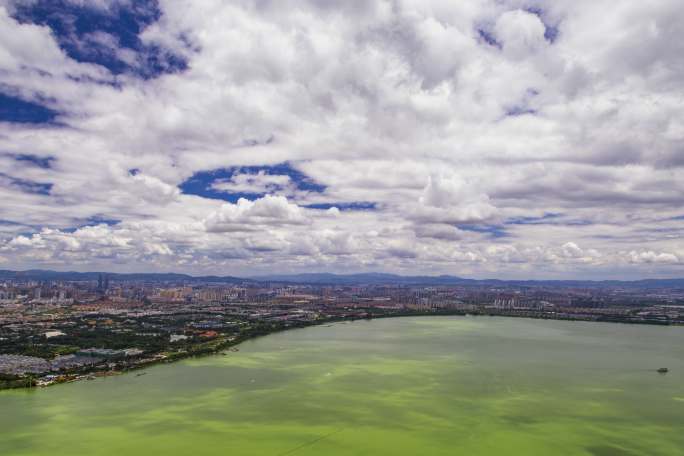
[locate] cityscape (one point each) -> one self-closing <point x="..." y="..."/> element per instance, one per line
<point x="53" y="331"/>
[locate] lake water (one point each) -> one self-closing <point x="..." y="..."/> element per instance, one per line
<point x="402" y="386"/>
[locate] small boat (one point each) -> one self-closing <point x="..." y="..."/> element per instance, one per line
<point x="141" y="373"/>
<point x="90" y="377"/>
<point x="663" y="370"/>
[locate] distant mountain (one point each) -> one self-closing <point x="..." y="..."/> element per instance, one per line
<point x="71" y="276"/>
<point x="374" y="278"/>
<point x="445" y="280"/>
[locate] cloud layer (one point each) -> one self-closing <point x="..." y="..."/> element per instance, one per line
<point x="481" y="138"/>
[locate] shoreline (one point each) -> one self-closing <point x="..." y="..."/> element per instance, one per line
<point x="215" y="346"/>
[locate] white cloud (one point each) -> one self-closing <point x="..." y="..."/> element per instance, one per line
<point x="259" y="182"/>
<point x="402" y="106"/>
<point x="453" y="200"/>
<point x="153" y="189"/>
<point x="521" y="33"/>
<point x="649" y="256"/>
<point x="248" y="215"/>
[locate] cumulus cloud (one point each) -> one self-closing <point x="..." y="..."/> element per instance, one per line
<point x="248" y="215"/>
<point x="484" y="138"/>
<point x="259" y="182"/>
<point x="520" y="33"/>
<point x="153" y="189"/>
<point x="649" y="256"/>
<point x="453" y="200"/>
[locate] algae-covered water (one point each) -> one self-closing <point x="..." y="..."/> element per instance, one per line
<point x="403" y="386"/>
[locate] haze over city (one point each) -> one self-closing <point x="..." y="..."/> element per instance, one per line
<point x="509" y="139"/>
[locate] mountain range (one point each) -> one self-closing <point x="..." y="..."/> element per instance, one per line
<point x="333" y="279"/>
<point x="71" y="276"/>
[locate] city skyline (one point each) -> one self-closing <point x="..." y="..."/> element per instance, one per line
<point x="522" y="139"/>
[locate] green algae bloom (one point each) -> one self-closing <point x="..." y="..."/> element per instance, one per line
<point x="404" y="386"/>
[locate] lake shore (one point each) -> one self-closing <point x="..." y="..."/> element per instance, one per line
<point x="222" y="343"/>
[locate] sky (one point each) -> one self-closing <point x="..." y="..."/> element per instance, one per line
<point x="479" y="138"/>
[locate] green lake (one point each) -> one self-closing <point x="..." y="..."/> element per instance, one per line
<point x="402" y="386"/>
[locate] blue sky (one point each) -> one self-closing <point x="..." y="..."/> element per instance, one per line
<point x="105" y="36"/>
<point x="512" y="139"/>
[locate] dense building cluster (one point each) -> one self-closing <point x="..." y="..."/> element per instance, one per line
<point x="61" y="330"/>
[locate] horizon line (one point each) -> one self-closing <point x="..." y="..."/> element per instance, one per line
<point x="265" y="277"/>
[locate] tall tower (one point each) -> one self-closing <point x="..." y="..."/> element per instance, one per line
<point x="106" y="283"/>
<point x="99" y="282"/>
